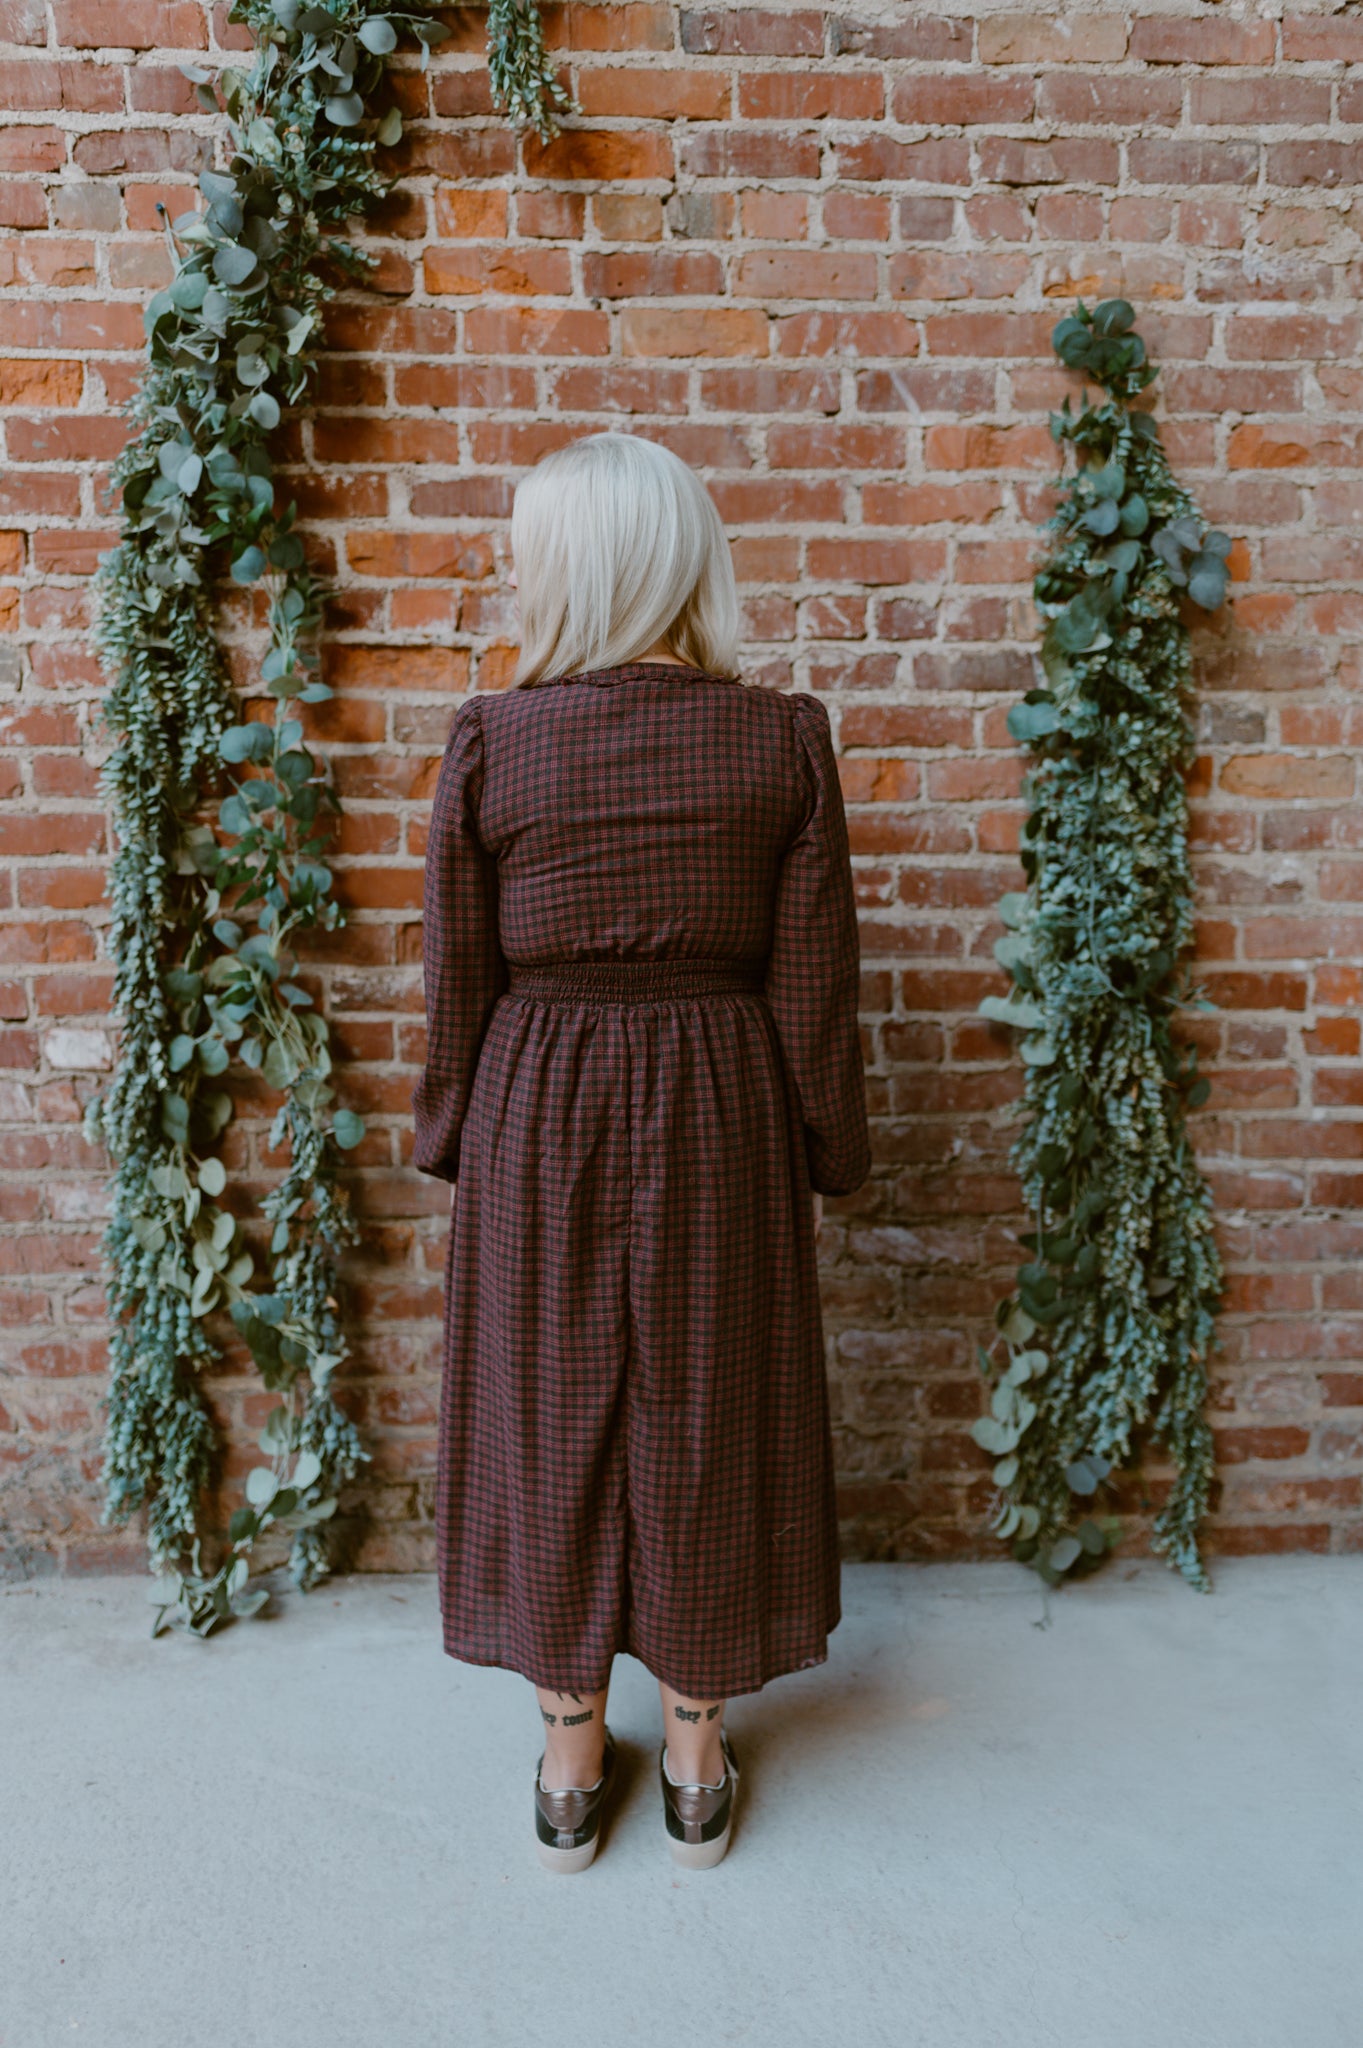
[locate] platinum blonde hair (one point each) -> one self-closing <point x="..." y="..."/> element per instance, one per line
<point x="618" y="545"/>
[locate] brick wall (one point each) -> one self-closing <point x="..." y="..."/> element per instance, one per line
<point x="818" y="252"/>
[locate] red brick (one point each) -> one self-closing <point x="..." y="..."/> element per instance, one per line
<point x="599" y="153"/>
<point x="1167" y="39"/>
<point x="811" y="96"/>
<point x="654" y="94"/>
<point x="751" y="31"/>
<point x="140" y="24"/>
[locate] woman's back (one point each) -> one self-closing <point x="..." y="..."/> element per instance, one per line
<point x="640" y="813"/>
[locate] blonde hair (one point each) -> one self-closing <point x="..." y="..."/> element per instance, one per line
<point x="618" y="545"/>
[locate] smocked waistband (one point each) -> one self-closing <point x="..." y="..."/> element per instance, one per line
<point x="634" y="981"/>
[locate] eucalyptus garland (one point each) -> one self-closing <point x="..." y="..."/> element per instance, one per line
<point x="222" y="811"/>
<point x="1108" y="1331"/>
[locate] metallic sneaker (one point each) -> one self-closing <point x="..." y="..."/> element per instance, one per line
<point x="568" y="1824"/>
<point x="699" y="1816"/>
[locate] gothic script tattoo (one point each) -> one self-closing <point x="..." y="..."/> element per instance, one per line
<point x="576" y="1720"/>
<point x="552" y="1719"/>
<point x="687" y="1713"/>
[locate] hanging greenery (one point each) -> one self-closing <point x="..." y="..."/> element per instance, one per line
<point x="524" y="87"/>
<point x="1108" y="1331"/>
<point x="222" y="812"/>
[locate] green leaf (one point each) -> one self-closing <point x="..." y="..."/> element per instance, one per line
<point x="1013" y="1010"/>
<point x="212" y="1177"/>
<point x="1033" y="721"/>
<point x="994" y="1436"/>
<point x="1113" y="317"/>
<point x="261" y="1486"/>
<point x="347" y="1129"/>
<point x="1208" y="581"/>
<point x="1064" y="1553"/>
<point x="280" y="1069"/>
<point x="188" y="290"/>
<point x="390" y="127"/>
<point x="233" y="815"/>
<point x="287" y="552"/>
<point x="248" y="565"/>
<point x="232" y="264"/>
<point x="346" y="109"/>
<point x="1135" y="516"/>
<point x="1013" y="950"/>
<point x="306" y="1471"/>
<point x="264" y="410"/>
<point x="246" y="743"/>
<point x="175" y="1117"/>
<point x="379" y="36"/>
<point x="1080" y="1477"/>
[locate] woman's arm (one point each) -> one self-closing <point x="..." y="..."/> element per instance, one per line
<point x="813" y="975"/>
<point x="463" y="967"/>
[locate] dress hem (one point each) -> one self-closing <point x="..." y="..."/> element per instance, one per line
<point x="780" y="1667"/>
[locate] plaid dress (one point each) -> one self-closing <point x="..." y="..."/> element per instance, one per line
<point x="641" y="975"/>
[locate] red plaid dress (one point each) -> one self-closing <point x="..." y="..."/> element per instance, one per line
<point x="641" y="974"/>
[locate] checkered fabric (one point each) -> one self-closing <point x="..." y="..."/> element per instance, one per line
<point x="641" y="974"/>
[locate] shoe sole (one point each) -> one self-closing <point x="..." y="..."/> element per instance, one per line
<point x="566" y="1862"/>
<point x="700" y="1855"/>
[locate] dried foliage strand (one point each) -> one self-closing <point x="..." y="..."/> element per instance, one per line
<point x="1108" y="1331"/>
<point x="222" y="820"/>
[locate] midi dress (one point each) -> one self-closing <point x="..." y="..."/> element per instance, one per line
<point x="641" y="977"/>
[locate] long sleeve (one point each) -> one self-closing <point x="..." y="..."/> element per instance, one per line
<point x="813" y="974"/>
<point x="462" y="958"/>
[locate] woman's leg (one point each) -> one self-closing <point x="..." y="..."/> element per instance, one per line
<point x="694" y="1756"/>
<point x="574" y="1737"/>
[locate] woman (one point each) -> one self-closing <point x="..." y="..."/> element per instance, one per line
<point x="641" y="991"/>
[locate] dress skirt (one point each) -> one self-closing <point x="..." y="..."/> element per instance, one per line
<point x="634" y="1447"/>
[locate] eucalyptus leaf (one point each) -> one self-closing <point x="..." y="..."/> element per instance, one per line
<point x="347" y="1129"/>
<point x="1013" y="1010"/>
<point x="307" y="1470"/>
<point x="261" y="1486"/>
<point x="232" y="264"/>
<point x="1033" y="721"/>
<point x="248" y="565"/>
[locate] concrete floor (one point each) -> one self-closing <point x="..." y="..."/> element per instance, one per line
<point x="1133" y="1821"/>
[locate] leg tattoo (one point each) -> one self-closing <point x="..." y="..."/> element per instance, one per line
<point x="576" y="1720"/>
<point x="687" y="1713"/>
<point x="552" y="1719"/>
<point x="710" y="1712"/>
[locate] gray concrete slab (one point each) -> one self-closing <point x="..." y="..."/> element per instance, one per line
<point x="1130" y="1818"/>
